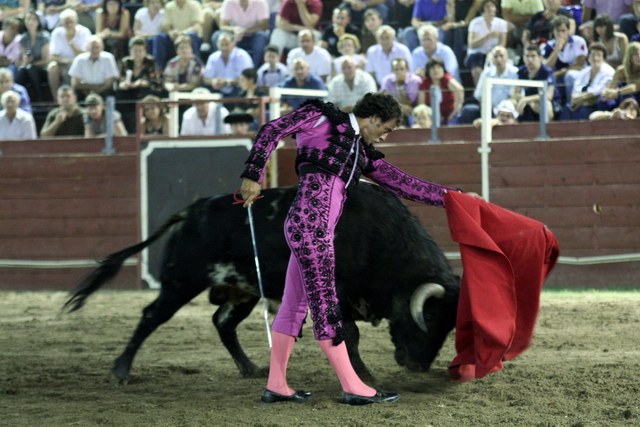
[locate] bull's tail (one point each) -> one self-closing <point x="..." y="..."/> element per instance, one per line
<point x="111" y="265"/>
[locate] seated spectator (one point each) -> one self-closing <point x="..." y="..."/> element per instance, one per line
<point x="67" y="119"/>
<point x="147" y="22"/>
<point x="113" y="25"/>
<point x="86" y="10"/>
<point x="248" y="89"/>
<point x="340" y="25"/>
<point x="154" y="119"/>
<point x="295" y="16"/>
<point x="432" y="12"/>
<point x="404" y="86"/>
<point x="422" y="117"/>
<point x="10" y="44"/>
<point x="94" y="71"/>
<point x="248" y="21"/>
<point x="224" y="67"/>
<point x="628" y="110"/>
<point x="505" y="114"/>
<point x="204" y="117"/>
<point x="357" y="9"/>
<point x="485" y="33"/>
<point x="379" y="56"/>
<point x="430" y="47"/>
<point x="184" y="72"/>
<point x="619" y="10"/>
<point x="95" y="123"/>
<point x="347" y="88"/>
<point x="272" y="72"/>
<point x="13" y="8"/>
<point x="500" y="69"/>
<point x="452" y="91"/>
<point x="349" y="47"/>
<point x="455" y="31"/>
<point x="367" y="36"/>
<point x="517" y="13"/>
<point x="239" y="122"/>
<point x="7" y="84"/>
<point x="318" y="58"/>
<point x="67" y="41"/>
<point x="181" y="17"/>
<point x="50" y="12"/>
<point x="34" y="51"/>
<point x="14" y="121"/>
<point x="564" y="53"/>
<point x="538" y="29"/>
<point x="301" y="79"/>
<point x="614" y="41"/>
<point x="527" y="99"/>
<point x="625" y="82"/>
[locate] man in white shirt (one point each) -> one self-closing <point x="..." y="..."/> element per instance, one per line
<point x="67" y="41"/>
<point x="272" y="72"/>
<point x="379" y="56"/>
<point x="318" y="58"/>
<point x="94" y="71"/>
<point x="205" y="117"/>
<point x="225" y="66"/>
<point x="15" y="123"/>
<point x="347" y="88"/>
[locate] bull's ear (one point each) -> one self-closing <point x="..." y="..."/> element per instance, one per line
<point x="419" y="297"/>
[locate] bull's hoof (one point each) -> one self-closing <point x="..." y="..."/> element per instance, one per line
<point x="119" y="376"/>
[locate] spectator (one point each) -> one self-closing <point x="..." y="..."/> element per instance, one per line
<point x="505" y="114"/>
<point x="628" y="110"/>
<point x="432" y="12"/>
<point x="625" y="82"/>
<point x="372" y="21"/>
<point x="404" y="86"/>
<point x="347" y="88"/>
<point x="538" y="29"/>
<point x="357" y="9"/>
<point x="318" y="58"/>
<point x="34" y="50"/>
<point x="7" y="83"/>
<point x="67" y="119"/>
<point x="295" y="16"/>
<point x="619" y="10"/>
<point x="422" y="117"/>
<point x="248" y="21"/>
<point x="272" y="72"/>
<point x="67" y="41"/>
<point x="10" y="44"/>
<point x="204" y="117"/>
<point x="485" y="33"/>
<point x="379" y="56"/>
<point x="113" y="25"/>
<point x="147" y="22"/>
<point x="452" y="91"/>
<point x="86" y="10"/>
<point x="349" y="47"/>
<point x="340" y="25"/>
<point x="154" y="119"/>
<point x="95" y="123"/>
<point x="564" y="53"/>
<point x="211" y="10"/>
<point x="239" y="122"/>
<point x="248" y="89"/>
<point x="13" y="8"/>
<point x="614" y="41"/>
<point x="94" y="71"/>
<point x="184" y="72"/>
<point x="225" y="66"/>
<point x="430" y="47"/>
<point x="589" y="84"/>
<point x="455" y="32"/>
<point x="15" y="122"/>
<point x="301" y="79"/>
<point x="527" y="99"/>
<point x="181" y="17"/>
<point x="518" y="13"/>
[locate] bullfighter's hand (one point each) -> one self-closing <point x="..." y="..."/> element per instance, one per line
<point x="249" y="190"/>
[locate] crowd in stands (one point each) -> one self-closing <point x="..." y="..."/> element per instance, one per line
<point x="79" y="52"/>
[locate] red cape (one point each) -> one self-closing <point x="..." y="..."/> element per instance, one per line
<point x="506" y="257"/>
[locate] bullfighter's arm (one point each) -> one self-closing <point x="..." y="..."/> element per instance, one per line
<point x="406" y="186"/>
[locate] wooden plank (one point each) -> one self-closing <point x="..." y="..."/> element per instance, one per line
<point x="626" y="239"/>
<point x="585" y="216"/>
<point x="583" y="195"/>
<point x="618" y="275"/>
<point x="77" y="167"/>
<point x="57" y="227"/>
<point x="68" y="145"/>
<point x="432" y="154"/>
<point x="64" y="247"/>
<point x="56" y="188"/>
<point x="38" y="279"/>
<point x="564" y="175"/>
<point x="125" y="207"/>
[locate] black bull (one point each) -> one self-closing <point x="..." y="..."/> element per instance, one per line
<point x="384" y="259"/>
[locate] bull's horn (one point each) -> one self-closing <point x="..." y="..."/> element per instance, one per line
<point x="419" y="297"/>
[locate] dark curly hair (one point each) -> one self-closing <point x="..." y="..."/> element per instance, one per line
<point x="380" y="104"/>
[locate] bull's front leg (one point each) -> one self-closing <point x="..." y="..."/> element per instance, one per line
<point x="226" y="320"/>
<point x="352" y="340"/>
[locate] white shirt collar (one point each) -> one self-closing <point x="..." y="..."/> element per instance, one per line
<point x="354" y="123"/>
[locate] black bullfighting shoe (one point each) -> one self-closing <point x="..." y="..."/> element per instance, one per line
<point x="380" y="396"/>
<point x="299" y="396"/>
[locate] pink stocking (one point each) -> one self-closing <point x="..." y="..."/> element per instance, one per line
<point x="280" y="352"/>
<point x="339" y="359"/>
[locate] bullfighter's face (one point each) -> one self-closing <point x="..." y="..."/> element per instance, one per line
<point x="375" y="130"/>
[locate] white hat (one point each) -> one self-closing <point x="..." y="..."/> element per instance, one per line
<point x="507" y="107"/>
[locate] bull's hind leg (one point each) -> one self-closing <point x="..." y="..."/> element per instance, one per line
<point x="226" y="320"/>
<point x="154" y="315"/>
